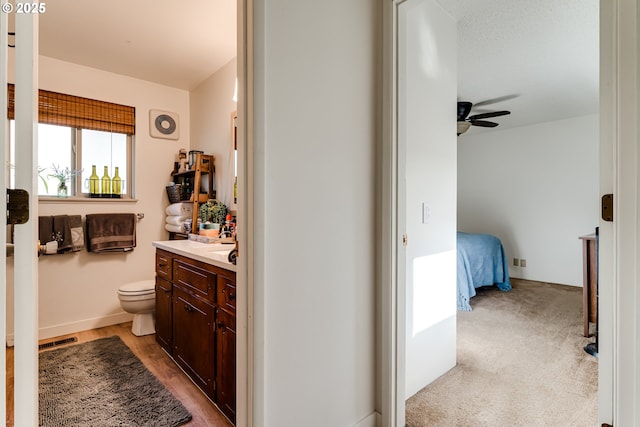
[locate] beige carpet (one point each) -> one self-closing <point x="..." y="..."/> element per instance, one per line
<point x="520" y="363"/>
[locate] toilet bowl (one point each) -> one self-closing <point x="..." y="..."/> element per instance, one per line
<point x="139" y="298"/>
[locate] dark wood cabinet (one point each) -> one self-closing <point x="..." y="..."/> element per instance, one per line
<point x="226" y="363"/>
<point x="195" y="324"/>
<point x="193" y="331"/>
<point x="164" y="318"/>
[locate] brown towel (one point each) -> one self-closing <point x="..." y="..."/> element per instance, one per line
<point x="62" y="233"/>
<point x="77" y="232"/>
<point x="45" y="229"/>
<point x="111" y="232"/>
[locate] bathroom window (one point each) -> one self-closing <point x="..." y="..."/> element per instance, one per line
<point x="74" y="148"/>
<point x="79" y="133"/>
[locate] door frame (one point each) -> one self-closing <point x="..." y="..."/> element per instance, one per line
<point x="25" y="235"/>
<point x="249" y="399"/>
<point x="620" y="307"/>
<point x="619" y="277"/>
<point x="4" y="27"/>
<point x="391" y="270"/>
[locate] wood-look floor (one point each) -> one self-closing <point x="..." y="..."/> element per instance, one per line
<point x="156" y="360"/>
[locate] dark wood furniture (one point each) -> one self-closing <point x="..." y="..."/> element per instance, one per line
<point x="195" y="323"/>
<point x="589" y="281"/>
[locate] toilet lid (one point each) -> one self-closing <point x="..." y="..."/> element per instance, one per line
<point x="138" y="288"/>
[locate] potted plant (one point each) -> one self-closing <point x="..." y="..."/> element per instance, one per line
<point x="213" y="211"/>
<point x="63" y="175"/>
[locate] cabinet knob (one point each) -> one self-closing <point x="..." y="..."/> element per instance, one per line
<point x="188" y="308"/>
<point x="231" y="296"/>
<point x="221" y="326"/>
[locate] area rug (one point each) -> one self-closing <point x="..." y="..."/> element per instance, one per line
<point x="102" y="383"/>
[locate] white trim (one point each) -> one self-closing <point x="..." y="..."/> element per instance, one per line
<point x="247" y="403"/>
<point x="392" y="297"/>
<point x="371" y="420"/>
<point x="607" y="280"/>
<point x="84" y="325"/>
<point x="626" y="229"/>
<point x="25" y="257"/>
<point x="4" y="26"/>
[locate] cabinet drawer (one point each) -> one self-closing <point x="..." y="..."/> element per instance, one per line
<point x="195" y="278"/>
<point x="163" y="265"/>
<point x="226" y="293"/>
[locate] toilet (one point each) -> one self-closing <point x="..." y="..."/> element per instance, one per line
<point x="139" y="298"/>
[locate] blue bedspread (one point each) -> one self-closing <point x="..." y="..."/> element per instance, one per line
<point x="481" y="262"/>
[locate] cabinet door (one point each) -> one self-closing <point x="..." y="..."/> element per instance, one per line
<point x="193" y="342"/>
<point x="226" y="363"/>
<point x="163" y="314"/>
<point x="226" y="298"/>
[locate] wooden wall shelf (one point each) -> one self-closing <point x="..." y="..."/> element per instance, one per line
<point x="203" y="169"/>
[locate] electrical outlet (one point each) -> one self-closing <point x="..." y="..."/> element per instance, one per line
<point x="516" y="262"/>
<point x="523" y="263"/>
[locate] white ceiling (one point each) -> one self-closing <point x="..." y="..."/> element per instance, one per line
<point x="176" y="43"/>
<point x="543" y="51"/>
<point x="542" y="54"/>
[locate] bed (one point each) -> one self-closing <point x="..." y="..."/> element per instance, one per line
<point x="481" y="262"/>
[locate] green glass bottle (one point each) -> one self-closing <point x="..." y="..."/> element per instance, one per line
<point x="106" y="183"/>
<point x="116" y="184"/>
<point x="94" y="182"/>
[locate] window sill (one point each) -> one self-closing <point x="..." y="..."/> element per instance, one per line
<point x="79" y="199"/>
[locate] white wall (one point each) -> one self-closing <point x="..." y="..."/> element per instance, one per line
<point x="78" y="291"/>
<point x="315" y="141"/>
<point x="536" y="188"/>
<point x="426" y="96"/>
<point x="211" y="105"/>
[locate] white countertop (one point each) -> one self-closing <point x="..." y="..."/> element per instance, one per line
<point x="210" y="253"/>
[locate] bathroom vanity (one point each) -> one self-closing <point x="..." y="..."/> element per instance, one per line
<point x="196" y="315"/>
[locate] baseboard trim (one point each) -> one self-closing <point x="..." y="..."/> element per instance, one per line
<point x="371" y="420"/>
<point x="82" y="325"/>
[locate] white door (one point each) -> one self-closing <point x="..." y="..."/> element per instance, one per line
<point x="25" y="235"/>
<point x="426" y="85"/>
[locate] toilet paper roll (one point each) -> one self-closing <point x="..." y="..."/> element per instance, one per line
<point x="51" y="248"/>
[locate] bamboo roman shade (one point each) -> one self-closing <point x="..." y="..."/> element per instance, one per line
<point x="74" y="111"/>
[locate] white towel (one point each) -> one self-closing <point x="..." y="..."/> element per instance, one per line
<point x="176" y="219"/>
<point x="182" y="209"/>
<point x="174" y="228"/>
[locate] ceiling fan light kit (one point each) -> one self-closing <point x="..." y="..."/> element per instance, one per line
<point x="463" y="127"/>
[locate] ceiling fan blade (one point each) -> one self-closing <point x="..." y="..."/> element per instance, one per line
<point x="488" y="115"/>
<point x="496" y="100"/>
<point x="464" y="108"/>
<point x="483" y="123"/>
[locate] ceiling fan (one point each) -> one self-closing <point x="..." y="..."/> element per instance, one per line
<point x="465" y="121"/>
